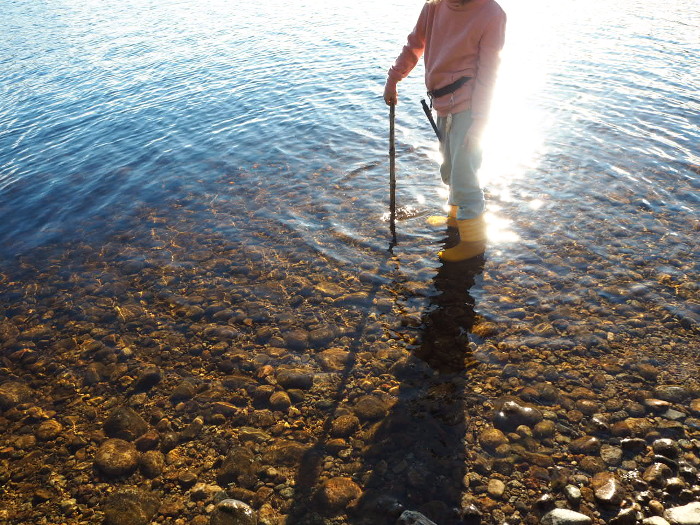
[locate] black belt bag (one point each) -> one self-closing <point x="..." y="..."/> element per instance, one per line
<point x="446" y="90"/>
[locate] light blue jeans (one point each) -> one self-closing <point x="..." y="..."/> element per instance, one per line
<point x="460" y="166"/>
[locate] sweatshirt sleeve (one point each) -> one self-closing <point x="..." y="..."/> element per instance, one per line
<point x="490" y="47"/>
<point x="412" y="51"/>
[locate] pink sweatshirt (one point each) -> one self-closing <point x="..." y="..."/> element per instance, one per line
<point x="457" y="40"/>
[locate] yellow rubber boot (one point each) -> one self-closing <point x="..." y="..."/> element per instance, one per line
<point x="472" y="241"/>
<point x="450" y="221"/>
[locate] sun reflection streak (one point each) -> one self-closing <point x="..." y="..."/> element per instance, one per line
<point x="514" y="139"/>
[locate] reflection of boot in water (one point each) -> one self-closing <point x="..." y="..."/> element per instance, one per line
<point x="450" y="317"/>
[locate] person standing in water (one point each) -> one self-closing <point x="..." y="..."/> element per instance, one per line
<point x="460" y="41"/>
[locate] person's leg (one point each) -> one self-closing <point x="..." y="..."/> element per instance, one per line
<point x="460" y="172"/>
<point x="462" y="177"/>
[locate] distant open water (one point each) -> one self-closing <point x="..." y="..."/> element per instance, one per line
<point x="110" y="109"/>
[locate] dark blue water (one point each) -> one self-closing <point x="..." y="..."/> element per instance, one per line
<point x="112" y="112"/>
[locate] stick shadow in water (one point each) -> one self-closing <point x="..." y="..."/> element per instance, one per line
<point x="416" y="455"/>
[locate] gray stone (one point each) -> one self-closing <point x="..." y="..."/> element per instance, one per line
<point x="411" y="517"/>
<point x="672" y="393"/>
<point x="611" y="454"/>
<point x="573" y="494"/>
<point x="565" y="517"/>
<point x="685" y="515"/>
<point x="655" y="520"/>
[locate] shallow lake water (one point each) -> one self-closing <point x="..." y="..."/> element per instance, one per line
<point x="204" y="188"/>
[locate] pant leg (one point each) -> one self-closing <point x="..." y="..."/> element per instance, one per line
<point x="460" y="166"/>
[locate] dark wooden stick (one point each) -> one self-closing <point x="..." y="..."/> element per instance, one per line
<point x="392" y="176"/>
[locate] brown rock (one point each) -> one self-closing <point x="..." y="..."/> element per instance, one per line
<point x="337" y="493"/>
<point x="491" y="438"/>
<point x="334" y="359"/>
<point x="607" y="489"/>
<point x="130" y="507"/>
<point x="588" y="445"/>
<point x="152" y="463"/>
<point x="370" y="408"/>
<point x="345" y="425"/>
<point x="280" y="400"/>
<point x="49" y="430"/>
<point x="117" y="457"/>
<point x="695" y="406"/>
<point x="631" y="427"/>
<point x="657" y="474"/>
<point x="125" y="423"/>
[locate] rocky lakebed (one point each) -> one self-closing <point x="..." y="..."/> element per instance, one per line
<point x="185" y="378"/>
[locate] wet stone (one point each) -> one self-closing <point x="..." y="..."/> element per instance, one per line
<point x="631" y="427"/>
<point x="130" y="507"/>
<point x="672" y="393"/>
<point x="334" y="359"/>
<point x="49" y="430"/>
<point x="125" y="423"/>
<point x="233" y="512"/>
<point x="337" y="493"/>
<point x="666" y="447"/>
<point x="565" y="517"/>
<point x="116" y="457"/>
<point x="344" y="426"/>
<point x="411" y="517"/>
<point x="573" y="494"/>
<point x="13" y="393"/>
<point x="491" y="438"/>
<point x="655" y="520"/>
<point x="695" y="406"/>
<point x="657" y="405"/>
<point x="496" y="488"/>
<point x="280" y="401"/>
<point x="611" y="454"/>
<point x="148" y="378"/>
<point x="238" y="464"/>
<point x="321" y="337"/>
<point x="684" y="515"/>
<point x="295" y="378"/>
<point x="512" y="414"/>
<point x="657" y="474"/>
<point x="297" y="340"/>
<point x="370" y="408"/>
<point x="587" y="445"/>
<point x="284" y="452"/>
<point x="152" y="463"/>
<point x="184" y="391"/>
<point x="544" y="429"/>
<point x="607" y="489"/>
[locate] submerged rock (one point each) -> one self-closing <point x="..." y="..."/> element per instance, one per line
<point x="411" y="517"/>
<point x="130" y="507"/>
<point x="337" y="493"/>
<point x="685" y="515"/>
<point x="233" y="512"/>
<point x="565" y="517"/>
